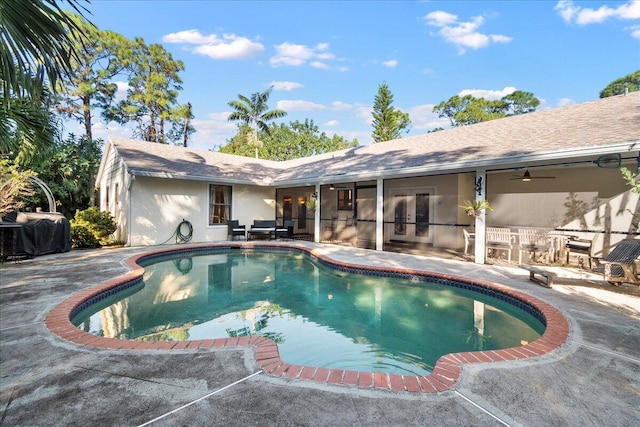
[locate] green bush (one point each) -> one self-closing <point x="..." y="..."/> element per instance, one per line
<point x="99" y="224"/>
<point x="82" y="237"/>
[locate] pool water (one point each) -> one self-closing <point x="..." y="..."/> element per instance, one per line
<point x="319" y="316"/>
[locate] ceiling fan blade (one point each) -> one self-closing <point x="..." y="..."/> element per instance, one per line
<point x="531" y="178"/>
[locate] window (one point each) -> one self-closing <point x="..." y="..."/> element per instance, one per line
<point x="219" y="204"/>
<point x="345" y="200"/>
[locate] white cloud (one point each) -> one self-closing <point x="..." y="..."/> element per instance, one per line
<point x="634" y="30"/>
<point x="423" y="117"/>
<point x="286" y="86"/>
<point x="488" y="94"/>
<point x="229" y="46"/>
<point x="463" y="34"/>
<point x="299" y="105"/>
<point x="563" y="102"/>
<point x="332" y="123"/>
<point x="364" y="112"/>
<point x="319" y="65"/>
<point x="584" y="15"/>
<point x="341" y="106"/>
<point x="392" y="63"/>
<point x="298" y="54"/>
<point x="121" y="92"/>
<point x="213" y="131"/>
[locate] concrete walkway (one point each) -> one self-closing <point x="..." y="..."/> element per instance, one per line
<point x="594" y="379"/>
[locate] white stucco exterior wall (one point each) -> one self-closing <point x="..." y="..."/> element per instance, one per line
<point x="159" y="205"/>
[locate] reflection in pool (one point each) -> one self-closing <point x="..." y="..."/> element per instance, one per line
<point x="319" y="316"/>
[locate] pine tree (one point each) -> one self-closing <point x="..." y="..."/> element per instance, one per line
<point x="388" y="122"/>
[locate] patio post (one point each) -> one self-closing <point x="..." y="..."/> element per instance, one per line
<point x="316" y="216"/>
<point x="379" y="214"/>
<point x="480" y="191"/>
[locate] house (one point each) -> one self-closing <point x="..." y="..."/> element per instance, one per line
<point x="405" y="190"/>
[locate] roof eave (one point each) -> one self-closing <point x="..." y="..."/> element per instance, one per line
<point x="572" y="155"/>
<point x="166" y="175"/>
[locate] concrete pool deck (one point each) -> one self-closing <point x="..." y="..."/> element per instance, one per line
<point x="593" y="379"/>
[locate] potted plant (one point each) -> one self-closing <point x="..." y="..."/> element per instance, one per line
<point x="475" y="207"/>
<point x="311" y="204"/>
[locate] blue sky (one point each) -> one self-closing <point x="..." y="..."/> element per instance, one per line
<point x="326" y="59"/>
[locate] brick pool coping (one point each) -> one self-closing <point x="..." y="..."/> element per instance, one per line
<point x="446" y="374"/>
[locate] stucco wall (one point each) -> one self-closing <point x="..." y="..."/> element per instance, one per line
<point x="578" y="198"/>
<point x="113" y="188"/>
<point x="159" y="205"/>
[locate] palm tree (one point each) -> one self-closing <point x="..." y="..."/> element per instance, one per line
<point x="36" y="44"/>
<point x="255" y="112"/>
<point x="35" y="50"/>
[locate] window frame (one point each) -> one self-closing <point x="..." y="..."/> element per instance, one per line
<point x="345" y="199"/>
<point x="221" y="209"/>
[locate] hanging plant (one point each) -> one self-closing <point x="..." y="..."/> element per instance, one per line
<point x="311" y="204"/>
<point x="475" y="207"/>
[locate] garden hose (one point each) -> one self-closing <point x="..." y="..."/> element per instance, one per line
<point x="182" y="237"/>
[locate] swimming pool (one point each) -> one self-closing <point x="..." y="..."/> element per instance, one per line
<point x="345" y="318"/>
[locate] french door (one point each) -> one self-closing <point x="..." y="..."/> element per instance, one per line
<point x="412" y="212"/>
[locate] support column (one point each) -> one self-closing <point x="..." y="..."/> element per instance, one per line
<point x="379" y="214"/>
<point x="480" y="192"/>
<point x="316" y="217"/>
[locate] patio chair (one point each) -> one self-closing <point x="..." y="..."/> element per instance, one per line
<point x="533" y="241"/>
<point x="579" y="247"/>
<point x="286" y="231"/>
<point x="235" y="229"/>
<point x="469" y="239"/>
<point x="620" y="264"/>
<point x="499" y="239"/>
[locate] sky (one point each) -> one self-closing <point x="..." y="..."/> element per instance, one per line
<point x="326" y="59"/>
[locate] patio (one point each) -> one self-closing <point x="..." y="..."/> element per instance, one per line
<point x="594" y="379"/>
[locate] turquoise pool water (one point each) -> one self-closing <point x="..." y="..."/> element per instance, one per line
<point x="319" y="316"/>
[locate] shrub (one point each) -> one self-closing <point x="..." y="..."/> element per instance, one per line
<point x="99" y="224"/>
<point x="82" y="237"/>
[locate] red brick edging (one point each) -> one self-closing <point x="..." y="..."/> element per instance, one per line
<point x="445" y="375"/>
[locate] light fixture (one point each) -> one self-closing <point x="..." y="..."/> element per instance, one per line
<point x="527" y="176"/>
<point x="331" y="187"/>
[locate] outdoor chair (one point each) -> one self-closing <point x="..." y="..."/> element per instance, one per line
<point x="533" y="241"/>
<point x="579" y="247"/>
<point x="499" y="239"/>
<point x="286" y="231"/>
<point x="235" y="229"/>
<point x="620" y="265"/>
<point x="469" y="239"/>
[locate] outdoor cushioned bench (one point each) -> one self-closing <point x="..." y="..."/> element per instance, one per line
<point x="262" y="227"/>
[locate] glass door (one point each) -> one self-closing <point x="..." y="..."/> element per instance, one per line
<point x="412" y="212"/>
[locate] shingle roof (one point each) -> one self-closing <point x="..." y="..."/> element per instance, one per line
<point x="161" y="160"/>
<point x="557" y="133"/>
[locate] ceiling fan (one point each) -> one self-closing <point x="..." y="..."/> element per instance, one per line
<point x="526" y="177"/>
